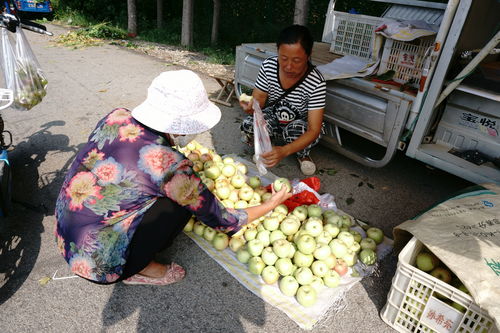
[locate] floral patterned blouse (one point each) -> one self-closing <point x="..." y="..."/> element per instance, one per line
<point x="115" y="178"/>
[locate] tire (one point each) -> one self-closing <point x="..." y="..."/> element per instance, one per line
<point x="5" y="188"/>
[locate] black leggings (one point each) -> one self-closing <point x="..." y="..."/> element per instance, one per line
<point x="157" y="230"/>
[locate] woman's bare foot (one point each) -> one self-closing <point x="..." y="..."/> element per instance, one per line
<point x="171" y="273"/>
<point x="154" y="269"/>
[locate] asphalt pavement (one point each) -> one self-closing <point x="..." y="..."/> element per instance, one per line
<point x="84" y="85"/>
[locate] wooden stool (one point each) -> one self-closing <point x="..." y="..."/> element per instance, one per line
<point x="227" y="86"/>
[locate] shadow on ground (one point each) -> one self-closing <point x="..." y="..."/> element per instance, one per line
<point x="33" y="197"/>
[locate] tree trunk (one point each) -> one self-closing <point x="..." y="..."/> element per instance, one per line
<point x="301" y="12"/>
<point x="187" y="23"/>
<point x="159" y="14"/>
<point x="132" y="18"/>
<point x="215" y="22"/>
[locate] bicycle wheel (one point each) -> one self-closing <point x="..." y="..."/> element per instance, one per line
<point x="5" y="187"/>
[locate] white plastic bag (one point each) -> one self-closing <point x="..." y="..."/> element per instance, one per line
<point x="22" y="72"/>
<point x="262" y="141"/>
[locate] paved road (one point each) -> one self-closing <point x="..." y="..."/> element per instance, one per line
<point x="85" y="85"/>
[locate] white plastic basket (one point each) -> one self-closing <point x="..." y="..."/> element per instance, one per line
<point x="406" y="59"/>
<point x="354" y="34"/>
<point x="411" y="297"/>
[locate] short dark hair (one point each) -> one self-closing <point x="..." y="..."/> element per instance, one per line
<point x="296" y="34"/>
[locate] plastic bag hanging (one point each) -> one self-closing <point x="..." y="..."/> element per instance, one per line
<point x="262" y="141"/>
<point x="28" y="82"/>
<point x="8" y="60"/>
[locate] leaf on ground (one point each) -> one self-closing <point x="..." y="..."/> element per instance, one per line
<point x="321" y="171"/>
<point x="354" y="175"/>
<point x="360" y="184"/>
<point x="103" y="90"/>
<point x="370" y="186"/>
<point x="349" y="201"/>
<point x="43" y="281"/>
<point x="331" y="172"/>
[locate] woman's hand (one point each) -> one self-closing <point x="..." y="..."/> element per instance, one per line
<point x="273" y="157"/>
<point x="247" y="106"/>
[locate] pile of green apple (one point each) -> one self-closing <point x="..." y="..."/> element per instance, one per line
<point x="302" y="251"/>
<point x="428" y="262"/>
<point x="225" y="177"/>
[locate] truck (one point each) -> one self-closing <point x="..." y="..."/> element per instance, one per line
<point x="441" y="105"/>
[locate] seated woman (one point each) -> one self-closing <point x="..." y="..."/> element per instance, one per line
<point x="128" y="193"/>
<point x="291" y="92"/>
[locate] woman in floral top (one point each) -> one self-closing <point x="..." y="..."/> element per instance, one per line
<point x="128" y="193"/>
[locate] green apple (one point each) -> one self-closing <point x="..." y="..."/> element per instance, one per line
<point x="228" y="160"/>
<point x="220" y="241"/>
<point x="338" y="247"/>
<point x="350" y="258"/>
<point x="284" y="266"/>
<point x="280" y="182"/>
<point x="368" y="243"/>
<point x="281" y="247"/>
<point x="228" y="203"/>
<point x="302" y="260"/>
<point x="322" y="251"/>
<point x="346" y="221"/>
<point x="255" y="247"/>
<point x="288" y="285"/>
<point x="376" y="234"/>
<point x="306" y="244"/>
<point x="324" y="237"/>
<point x="212" y="172"/>
<point x="355" y="247"/>
<point x="356" y="235"/>
<point x="254" y="182"/>
<point x="241" y="204"/>
<point x="242" y="168"/>
<point x="346" y="237"/>
<point x="289" y="226"/>
<point x="199" y="228"/>
<point x="270" y="274"/>
<point x="319" y="268"/>
<point x="303" y="275"/>
<point x="245" y="193"/>
<point x="300" y="212"/>
<point x="275" y="235"/>
<point x="271" y="223"/>
<point x="331" y="279"/>
<point x="330" y="261"/>
<point x="242" y="255"/>
<point x="442" y="274"/>
<point x="332" y="229"/>
<point x="281" y="208"/>
<point x="223" y="192"/>
<point x="266" y="196"/>
<point x="256" y="265"/>
<point x="209" y="234"/>
<point x="314" y="226"/>
<point x="236" y="243"/>
<point x="268" y="256"/>
<point x="238" y="180"/>
<point x="314" y="211"/>
<point x="228" y="170"/>
<point x="306" y="296"/>
<point x="328" y="213"/>
<point x="426" y="261"/>
<point x="334" y="220"/>
<point x="317" y="283"/>
<point x="263" y="236"/>
<point x="368" y="256"/>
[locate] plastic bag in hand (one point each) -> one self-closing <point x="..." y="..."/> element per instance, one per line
<point x="262" y="141"/>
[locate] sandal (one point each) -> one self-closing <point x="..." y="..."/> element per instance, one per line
<point x="307" y="165"/>
<point x="174" y="273"/>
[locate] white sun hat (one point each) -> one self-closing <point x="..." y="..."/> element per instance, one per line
<point x="177" y="103"/>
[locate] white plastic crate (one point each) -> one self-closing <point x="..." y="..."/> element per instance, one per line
<point x="406" y="59"/>
<point x="410" y="301"/>
<point x="354" y="34"/>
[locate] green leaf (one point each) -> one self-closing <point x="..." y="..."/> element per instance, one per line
<point x="360" y="184"/>
<point x="349" y="201"/>
<point x="331" y="172"/>
<point x="43" y="281"/>
<point x="354" y="175"/>
<point x="370" y="186"/>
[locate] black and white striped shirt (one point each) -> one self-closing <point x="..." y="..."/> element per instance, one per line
<point x="309" y="95"/>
